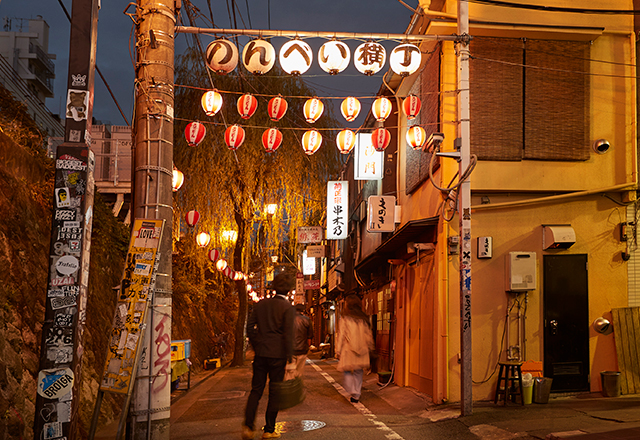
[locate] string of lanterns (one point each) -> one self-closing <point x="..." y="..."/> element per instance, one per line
<point x="313" y="108"/>
<point x="296" y="57"/>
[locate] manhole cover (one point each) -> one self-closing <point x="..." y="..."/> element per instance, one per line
<point x="301" y="425"/>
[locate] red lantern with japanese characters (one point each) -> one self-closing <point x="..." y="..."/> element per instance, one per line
<point x="277" y="108"/>
<point x="345" y="141"/>
<point x="311" y="141"/>
<point x="211" y="102"/>
<point x="271" y="139"/>
<point x="350" y="108"/>
<point x="213" y="255"/>
<point x="247" y="105"/>
<point x="194" y="133"/>
<point x="192" y="218"/>
<point x="380" y="139"/>
<point x="416" y="136"/>
<point x="313" y="109"/>
<point x="381" y="109"/>
<point x="411" y="106"/>
<point x="234" y="136"/>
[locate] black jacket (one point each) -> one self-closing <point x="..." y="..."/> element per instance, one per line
<point x="303" y="331"/>
<point x="270" y="328"/>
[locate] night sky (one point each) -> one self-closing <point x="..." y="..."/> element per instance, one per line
<point x="115" y="30"/>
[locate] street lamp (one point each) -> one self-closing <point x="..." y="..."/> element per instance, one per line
<point x="271" y="208"/>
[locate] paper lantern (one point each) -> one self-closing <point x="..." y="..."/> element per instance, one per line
<point x="311" y="141"/>
<point x="234" y="136"/>
<point x="177" y="179"/>
<point x="227" y="271"/>
<point x="334" y="57"/>
<point x="405" y="59"/>
<point x="345" y="141"/>
<point x="194" y="133"/>
<point x="221" y="264"/>
<point x="271" y="139"/>
<point x="222" y="56"/>
<point x="247" y="105"/>
<point x="213" y="255"/>
<point x="411" y="106"/>
<point x="350" y="108"/>
<point x="416" y="136"/>
<point x="237" y="276"/>
<point x="381" y="109"/>
<point x="380" y="139"/>
<point x="313" y="109"/>
<point x="370" y="57"/>
<point x="295" y="57"/>
<point x="277" y="108"/>
<point x="192" y="218"/>
<point x="211" y="102"/>
<point x="203" y="239"/>
<point x="258" y="56"/>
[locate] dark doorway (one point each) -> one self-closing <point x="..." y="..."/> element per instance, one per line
<point x="566" y="322"/>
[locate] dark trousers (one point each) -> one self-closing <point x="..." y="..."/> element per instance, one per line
<point x="263" y="367"/>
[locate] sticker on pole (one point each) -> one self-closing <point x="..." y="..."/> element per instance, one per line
<point x="55" y="383"/>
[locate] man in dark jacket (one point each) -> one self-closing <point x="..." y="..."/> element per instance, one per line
<point x="270" y="331"/>
<point x="303" y="334"/>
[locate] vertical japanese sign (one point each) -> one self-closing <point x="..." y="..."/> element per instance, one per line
<point x="300" y="295"/>
<point x="308" y="264"/>
<point x="368" y="162"/>
<point x="337" y="209"/>
<point x="381" y="214"/>
<point x="66" y="303"/>
<point x="133" y="299"/>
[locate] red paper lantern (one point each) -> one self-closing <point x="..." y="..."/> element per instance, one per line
<point x="345" y="141"/>
<point x="313" y="109"/>
<point x="271" y="139"/>
<point x="203" y="239"/>
<point x="192" y="218"/>
<point x="380" y="139"/>
<point x="211" y="102"/>
<point x="411" y="106"/>
<point x="214" y="255"/>
<point x="350" y="108"/>
<point x="227" y="271"/>
<point x="416" y="136"/>
<point x="247" y="105"/>
<point x="194" y="133"/>
<point x="221" y="264"/>
<point x="234" y="136"/>
<point x="277" y="108"/>
<point x="311" y="141"/>
<point x="381" y="109"/>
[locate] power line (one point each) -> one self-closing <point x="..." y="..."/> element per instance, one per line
<point x="556" y="8"/>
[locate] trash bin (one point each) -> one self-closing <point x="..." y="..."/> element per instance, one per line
<point x="541" y="389"/>
<point x="610" y="383"/>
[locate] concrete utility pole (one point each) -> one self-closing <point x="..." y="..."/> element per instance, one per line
<point x="153" y="198"/>
<point x="58" y="392"/>
<point x="464" y="210"/>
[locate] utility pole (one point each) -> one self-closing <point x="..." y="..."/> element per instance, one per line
<point x="59" y="375"/>
<point x="464" y="210"/>
<point x="153" y="199"/>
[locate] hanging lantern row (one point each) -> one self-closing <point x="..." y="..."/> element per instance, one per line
<point x="296" y="57"/>
<point x="313" y="108"/>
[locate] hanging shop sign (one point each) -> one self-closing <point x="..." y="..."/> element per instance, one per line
<point x="258" y="56"/>
<point x="337" y="209"/>
<point x="308" y="264"/>
<point x="309" y="234"/>
<point x="381" y="214"/>
<point x="368" y="163"/>
<point x="315" y="251"/>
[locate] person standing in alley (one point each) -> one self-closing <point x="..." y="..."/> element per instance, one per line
<point x="353" y="343"/>
<point x="303" y="334"/>
<point x="270" y="331"/>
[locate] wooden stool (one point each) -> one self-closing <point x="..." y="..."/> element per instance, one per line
<point x="510" y="372"/>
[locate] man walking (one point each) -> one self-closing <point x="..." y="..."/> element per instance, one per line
<point x="303" y="334"/>
<point x="270" y="331"/>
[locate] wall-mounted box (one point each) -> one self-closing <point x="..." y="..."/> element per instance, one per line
<point x="520" y="271"/>
<point x="485" y="247"/>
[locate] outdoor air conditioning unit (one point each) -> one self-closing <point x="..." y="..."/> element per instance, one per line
<point x="521" y="271"/>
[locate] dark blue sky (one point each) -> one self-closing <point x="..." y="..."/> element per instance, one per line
<point x="115" y="29"/>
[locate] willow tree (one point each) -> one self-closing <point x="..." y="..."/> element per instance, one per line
<point x="230" y="189"/>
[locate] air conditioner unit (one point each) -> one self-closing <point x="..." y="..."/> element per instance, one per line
<point x="521" y="271"/>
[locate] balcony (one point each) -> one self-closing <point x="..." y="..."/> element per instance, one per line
<point x="42" y="57"/>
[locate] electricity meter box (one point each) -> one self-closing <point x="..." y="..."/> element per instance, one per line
<point x="521" y="271"/>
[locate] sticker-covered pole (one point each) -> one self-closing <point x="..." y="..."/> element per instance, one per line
<point x="61" y="349"/>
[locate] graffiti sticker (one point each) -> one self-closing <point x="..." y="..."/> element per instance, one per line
<point x="55" y="383"/>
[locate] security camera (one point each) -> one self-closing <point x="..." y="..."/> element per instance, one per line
<point x="434" y="141"/>
<point x="601" y="146"/>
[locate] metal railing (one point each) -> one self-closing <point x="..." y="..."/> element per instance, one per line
<point x="42" y="56"/>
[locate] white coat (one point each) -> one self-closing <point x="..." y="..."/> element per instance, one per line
<point x="354" y="341"/>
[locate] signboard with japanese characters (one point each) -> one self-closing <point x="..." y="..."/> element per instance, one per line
<point x="309" y="234"/>
<point x="315" y="251"/>
<point x="311" y="284"/>
<point x="134" y="297"/>
<point x="299" y="296"/>
<point x="381" y="213"/>
<point x="308" y="264"/>
<point x="337" y="209"/>
<point x="368" y="163"/>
